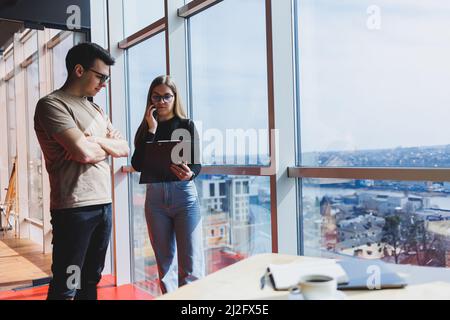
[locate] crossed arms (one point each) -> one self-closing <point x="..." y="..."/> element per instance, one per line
<point x="91" y="149"/>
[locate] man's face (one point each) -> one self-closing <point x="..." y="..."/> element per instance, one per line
<point x="92" y="78"/>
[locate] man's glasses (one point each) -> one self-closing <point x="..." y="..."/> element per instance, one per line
<point x="166" y="98"/>
<point x="103" y="77"/>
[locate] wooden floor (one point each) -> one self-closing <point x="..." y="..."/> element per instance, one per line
<point x="22" y="261"/>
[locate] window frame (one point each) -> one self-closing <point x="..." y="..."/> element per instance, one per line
<point x="193" y="8"/>
<point x="299" y="172"/>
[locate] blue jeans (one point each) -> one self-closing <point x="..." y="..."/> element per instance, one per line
<point x="80" y="241"/>
<point x="174" y="224"/>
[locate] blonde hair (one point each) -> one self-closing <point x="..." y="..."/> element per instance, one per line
<point x="178" y="108"/>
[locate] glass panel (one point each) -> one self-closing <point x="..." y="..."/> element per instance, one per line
<point x="54" y="32"/>
<point x="222" y="187"/>
<point x="59" y="61"/>
<point x="229" y="86"/>
<point x="372" y="91"/>
<point x="246" y="188"/>
<point x="35" y="198"/>
<point x="235" y="226"/>
<point x="12" y="132"/>
<point x="402" y="222"/>
<point x="146" y="61"/>
<point x="138" y="14"/>
<point x="9" y="64"/>
<point x="30" y="46"/>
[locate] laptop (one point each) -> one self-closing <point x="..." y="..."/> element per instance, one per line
<point x="158" y="158"/>
<point x="369" y="274"/>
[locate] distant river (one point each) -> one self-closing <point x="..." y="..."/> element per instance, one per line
<point x="442" y="201"/>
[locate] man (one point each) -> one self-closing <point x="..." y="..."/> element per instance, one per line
<point x="76" y="138"/>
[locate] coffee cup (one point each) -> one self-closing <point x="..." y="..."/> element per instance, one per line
<point x="318" y="287"/>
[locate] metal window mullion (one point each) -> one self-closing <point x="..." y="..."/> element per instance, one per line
<point x="60" y="37"/>
<point x="397" y="174"/>
<point x="285" y="197"/>
<point x="144" y="34"/>
<point x="195" y="6"/>
<point x="21" y="135"/>
<point x="8" y="52"/>
<point x="122" y="246"/>
<point x="26" y="35"/>
<point x="3" y="135"/>
<point x="29" y="60"/>
<point x="176" y="48"/>
<point x="219" y="170"/>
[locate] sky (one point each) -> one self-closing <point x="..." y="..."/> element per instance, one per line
<point x="359" y="88"/>
<point x="373" y="89"/>
<point x="229" y="81"/>
<point x="139" y="13"/>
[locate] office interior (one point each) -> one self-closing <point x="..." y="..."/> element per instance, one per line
<point x="323" y="127"/>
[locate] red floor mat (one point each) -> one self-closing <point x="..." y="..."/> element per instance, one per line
<point x="106" y="291"/>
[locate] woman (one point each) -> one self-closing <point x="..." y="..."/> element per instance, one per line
<point x="171" y="207"/>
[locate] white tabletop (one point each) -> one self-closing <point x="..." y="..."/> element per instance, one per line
<point x="241" y="281"/>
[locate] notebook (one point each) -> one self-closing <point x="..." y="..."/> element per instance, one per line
<point x="284" y="276"/>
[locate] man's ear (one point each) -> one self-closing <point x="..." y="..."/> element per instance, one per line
<point x="78" y="70"/>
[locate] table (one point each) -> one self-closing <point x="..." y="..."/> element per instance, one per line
<point x="241" y="281"/>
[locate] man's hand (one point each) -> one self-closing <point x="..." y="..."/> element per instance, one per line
<point x="113" y="143"/>
<point x="78" y="148"/>
<point x="92" y="139"/>
<point x="114" y="134"/>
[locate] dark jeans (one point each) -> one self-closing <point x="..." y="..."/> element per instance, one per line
<point x="80" y="241"/>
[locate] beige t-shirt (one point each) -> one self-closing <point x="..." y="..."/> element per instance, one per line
<point x="72" y="184"/>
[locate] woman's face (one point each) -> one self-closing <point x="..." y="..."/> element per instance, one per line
<point x="163" y="99"/>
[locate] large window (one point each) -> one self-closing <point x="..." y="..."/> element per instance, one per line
<point x="145" y="62"/>
<point x="59" y="61"/>
<point x="404" y="222"/>
<point x="236" y="218"/>
<point x="12" y="131"/>
<point x="35" y="198"/>
<point x="229" y="102"/>
<point x="229" y="84"/>
<point x="138" y="14"/>
<point x="372" y="93"/>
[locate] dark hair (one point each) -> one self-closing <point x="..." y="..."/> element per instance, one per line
<point x="85" y="54"/>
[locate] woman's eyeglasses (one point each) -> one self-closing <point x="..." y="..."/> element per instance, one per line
<point x="103" y="77"/>
<point x="166" y="98"/>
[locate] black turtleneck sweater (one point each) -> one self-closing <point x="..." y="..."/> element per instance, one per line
<point x="164" y="132"/>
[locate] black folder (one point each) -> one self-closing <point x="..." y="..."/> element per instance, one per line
<point x="158" y="158"/>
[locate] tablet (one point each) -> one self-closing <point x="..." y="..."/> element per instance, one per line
<point x="158" y="158"/>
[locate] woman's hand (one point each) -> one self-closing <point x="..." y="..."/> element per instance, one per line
<point x="151" y="121"/>
<point x="182" y="171"/>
